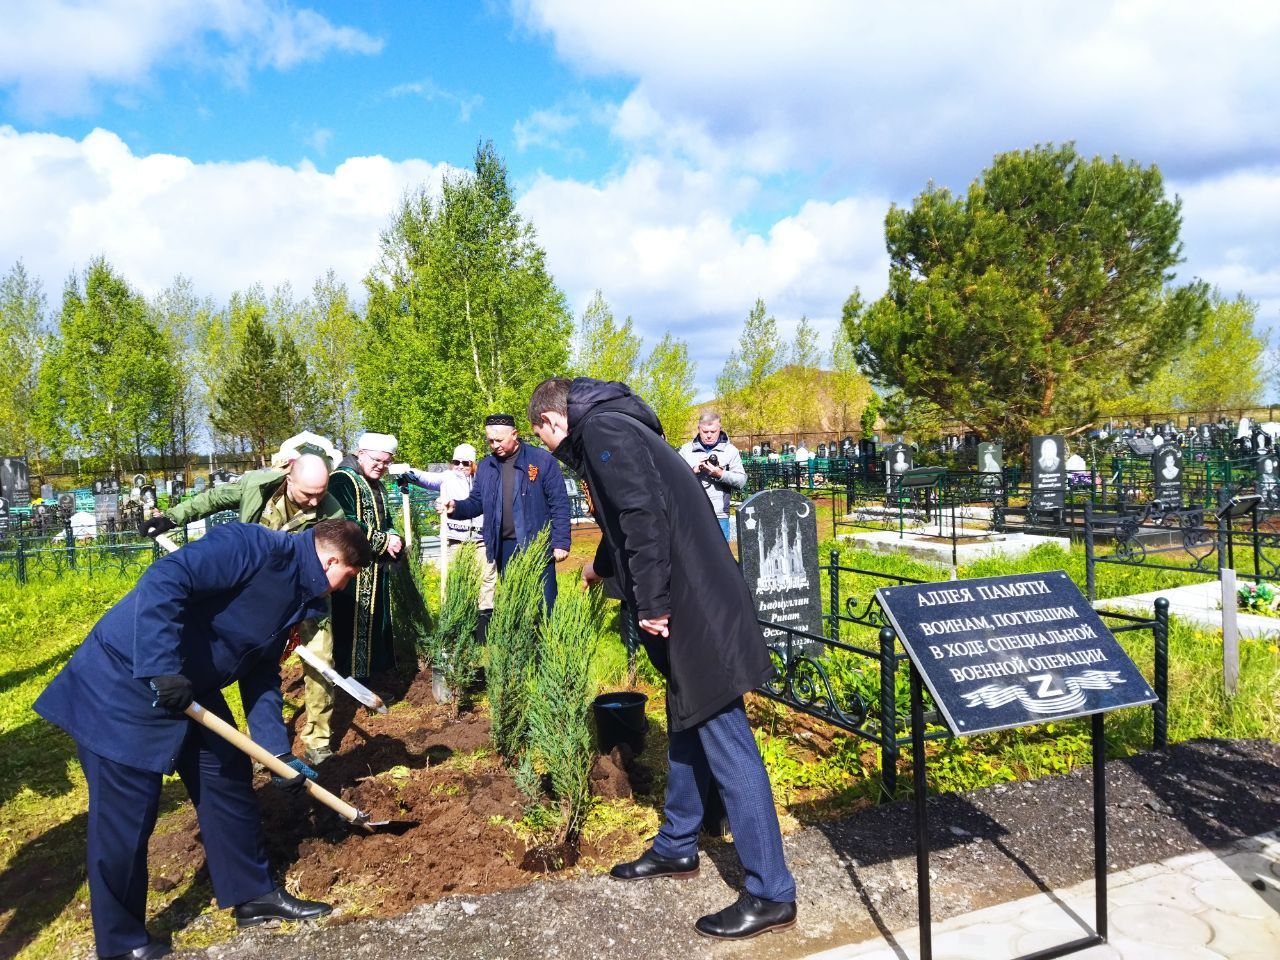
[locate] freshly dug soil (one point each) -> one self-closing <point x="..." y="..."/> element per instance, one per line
<point x="856" y="876"/>
<point x="395" y="767"/>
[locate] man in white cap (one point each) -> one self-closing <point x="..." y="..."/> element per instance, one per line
<point x="362" y="630"/>
<point x="455" y="484"/>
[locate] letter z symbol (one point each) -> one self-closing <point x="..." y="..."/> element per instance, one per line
<point x="1045" y="680"/>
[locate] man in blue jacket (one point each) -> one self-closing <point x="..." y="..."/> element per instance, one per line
<point x="217" y="612"/>
<point x="519" y="489"/>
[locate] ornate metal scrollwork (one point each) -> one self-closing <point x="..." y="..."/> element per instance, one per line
<point x="803" y="683"/>
<point x="870" y="614"/>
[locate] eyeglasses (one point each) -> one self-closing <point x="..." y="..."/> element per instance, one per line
<point x="461" y="463"/>
<point x="378" y="461"/>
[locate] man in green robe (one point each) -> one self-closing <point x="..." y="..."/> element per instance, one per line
<point x="362" y="630"/>
<point x="292" y="499"/>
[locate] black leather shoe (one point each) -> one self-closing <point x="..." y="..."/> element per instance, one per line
<point x="278" y="905"/>
<point x="748" y="917"/>
<point x="152" y="950"/>
<point x="652" y="864"/>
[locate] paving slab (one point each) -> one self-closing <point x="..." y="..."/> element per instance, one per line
<point x="1197" y="603"/>
<point x="1204" y="905"/>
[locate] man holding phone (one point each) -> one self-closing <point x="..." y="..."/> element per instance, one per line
<point x="717" y="463"/>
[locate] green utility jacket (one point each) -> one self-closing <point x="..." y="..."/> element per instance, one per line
<point x="249" y="496"/>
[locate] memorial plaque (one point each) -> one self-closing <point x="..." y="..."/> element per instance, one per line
<point x="898" y="459"/>
<point x="15" y="485"/>
<point x="1048" y="472"/>
<point x="1009" y="651"/>
<point x="991" y="459"/>
<point x="1267" y="475"/>
<point x="778" y="552"/>
<point x="1166" y="468"/>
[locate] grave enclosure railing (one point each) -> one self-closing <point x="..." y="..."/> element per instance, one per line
<point x="873" y="703"/>
<point x="1194" y="540"/>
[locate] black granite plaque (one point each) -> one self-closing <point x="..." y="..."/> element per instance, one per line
<point x="1166" y="468"/>
<point x="1009" y="651"/>
<point x="778" y="551"/>
<point x="898" y="459"/>
<point x="1268" y="472"/>
<point x="4" y="517"/>
<point x="15" y="485"/>
<point x="1048" y="472"/>
<point x="176" y="489"/>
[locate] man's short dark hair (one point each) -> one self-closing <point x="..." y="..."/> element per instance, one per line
<point x="550" y="396"/>
<point x="347" y="540"/>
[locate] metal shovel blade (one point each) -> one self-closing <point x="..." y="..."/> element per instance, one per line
<point x="349" y="684"/>
<point x="396" y="828"/>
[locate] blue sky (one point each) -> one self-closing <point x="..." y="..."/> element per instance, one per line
<point x="683" y="158"/>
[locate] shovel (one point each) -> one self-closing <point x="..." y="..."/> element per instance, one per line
<point x="348" y="684"/>
<point x="355" y="818"/>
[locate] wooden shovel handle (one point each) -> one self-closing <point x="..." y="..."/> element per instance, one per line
<point x="269" y="760"/>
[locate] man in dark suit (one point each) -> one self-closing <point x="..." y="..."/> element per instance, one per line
<point x="219" y="611"/>
<point x="662" y="544"/>
<point x="519" y="489"/>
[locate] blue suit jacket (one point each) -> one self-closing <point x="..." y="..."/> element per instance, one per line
<point x="536" y="502"/>
<point x="218" y="612"/>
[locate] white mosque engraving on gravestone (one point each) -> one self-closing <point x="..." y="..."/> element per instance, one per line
<point x="782" y="563"/>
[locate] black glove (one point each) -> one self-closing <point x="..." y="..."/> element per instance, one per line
<point x="156" y="526"/>
<point x="294" y="785"/>
<point x="173" y="692"/>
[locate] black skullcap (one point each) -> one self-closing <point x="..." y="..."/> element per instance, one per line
<point x="500" y="420"/>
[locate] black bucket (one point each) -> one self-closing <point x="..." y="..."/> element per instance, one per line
<point x="620" y="719"/>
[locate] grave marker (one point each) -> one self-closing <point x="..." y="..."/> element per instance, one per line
<point x="15" y="485"/>
<point x="1048" y="473"/>
<point x="778" y="553"/>
<point x="1166" y="468"/>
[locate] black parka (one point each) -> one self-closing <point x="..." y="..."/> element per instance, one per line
<point x="663" y="544"/>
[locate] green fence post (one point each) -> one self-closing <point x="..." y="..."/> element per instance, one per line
<point x="888" y="714"/>
<point x="1160" y="669"/>
<point x="20" y="562"/>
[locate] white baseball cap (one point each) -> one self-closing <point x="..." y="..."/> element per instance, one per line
<point x="465" y="451"/>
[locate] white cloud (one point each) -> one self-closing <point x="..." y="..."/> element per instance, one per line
<point x="898" y="93"/>
<point x="1229" y="235"/>
<point x="224" y="225"/>
<point x="430" y="91"/>
<point x="56" y="54"/>
<point x="660" y="241"/>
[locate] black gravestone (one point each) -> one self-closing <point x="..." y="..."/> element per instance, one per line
<point x="1048" y="472"/>
<point x="898" y="459"/>
<point x="1166" y="468"/>
<point x="991" y="458"/>
<point x="1268" y="465"/>
<point x="1008" y="651"/>
<point x="106" y="510"/>
<point x="15" y="485"/>
<point x="66" y="505"/>
<point x="148" y="493"/>
<point x="177" y="488"/>
<point x="4" y="517"/>
<point x="778" y="552"/>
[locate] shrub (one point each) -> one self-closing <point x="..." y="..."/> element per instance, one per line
<point x="559" y="721"/>
<point x="513" y="643"/>
<point x="452" y="645"/>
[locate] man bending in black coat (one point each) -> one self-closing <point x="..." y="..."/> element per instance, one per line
<point x="663" y="545"/>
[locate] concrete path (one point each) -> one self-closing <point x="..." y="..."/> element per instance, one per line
<point x="1207" y="905"/>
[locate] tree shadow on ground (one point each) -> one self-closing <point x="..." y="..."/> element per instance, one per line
<point x="34" y="756"/>
<point x="16" y="678"/>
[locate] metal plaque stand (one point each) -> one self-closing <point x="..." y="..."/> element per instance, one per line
<point x="1099" y="935"/>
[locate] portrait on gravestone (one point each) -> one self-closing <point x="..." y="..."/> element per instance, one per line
<point x="899" y="457"/>
<point x="66" y="505"/>
<point x="990" y="458"/>
<point x="1048" y="473"/>
<point x="14" y="483"/>
<point x="1166" y="468"/>
<point x="1008" y="651"/>
<point x="778" y="553"/>
<point x="1267" y="472"/>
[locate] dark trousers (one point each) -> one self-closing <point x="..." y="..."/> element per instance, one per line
<point x="123" y="803"/>
<point x="724" y="747"/>
<point x="507" y="549"/>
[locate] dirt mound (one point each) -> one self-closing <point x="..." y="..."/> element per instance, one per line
<point x="419" y="762"/>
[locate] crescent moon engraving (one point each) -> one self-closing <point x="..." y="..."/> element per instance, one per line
<point x="807" y="508"/>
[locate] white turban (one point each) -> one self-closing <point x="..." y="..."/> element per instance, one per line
<point x="306" y="442"/>
<point x="377" y="442"/>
